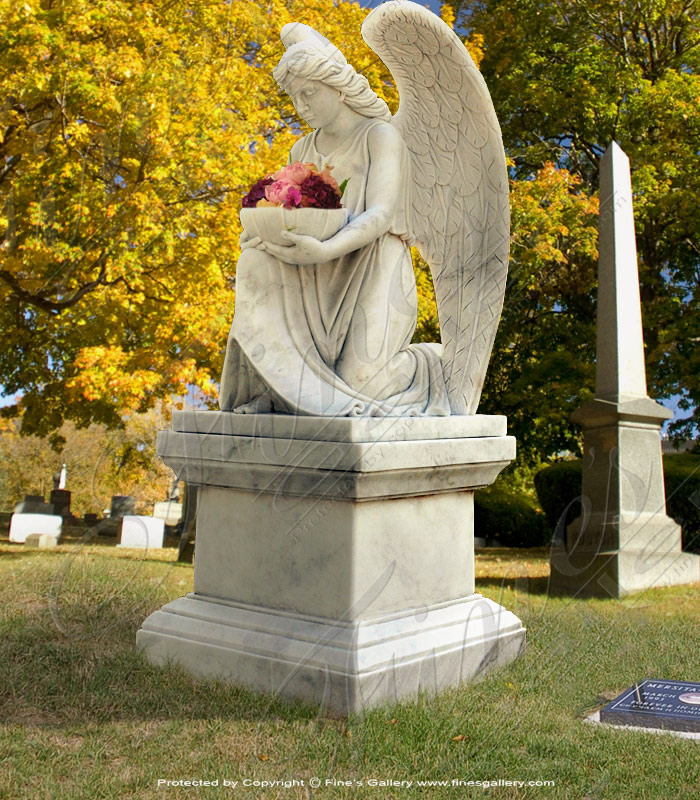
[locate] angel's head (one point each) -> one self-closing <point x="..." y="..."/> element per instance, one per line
<point x="317" y="77"/>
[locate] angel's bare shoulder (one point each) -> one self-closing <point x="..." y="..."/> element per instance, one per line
<point x="384" y="136"/>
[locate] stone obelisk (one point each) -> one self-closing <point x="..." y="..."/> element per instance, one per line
<point x="623" y="541"/>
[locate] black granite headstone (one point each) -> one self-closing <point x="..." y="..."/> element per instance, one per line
<point x="673" y="705"/>
<point x="122" y="505"/>
<point x="33" y="504"/>
<point x="60" y="498"/>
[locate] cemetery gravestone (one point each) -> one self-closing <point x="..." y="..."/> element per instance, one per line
<point x="142" y="532"/>
<point x="43" y="541"/>
<point x="623" y="541"/>
<point x="169" y="511"/>
<point x="22" y="525"/>
<point x="60" y="498"/>
<point x="33" y="504"/>
<point x="121" y="506"/>
<point x="672" y="705"/>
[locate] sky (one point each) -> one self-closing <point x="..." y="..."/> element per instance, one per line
<point x="433" y="5"/>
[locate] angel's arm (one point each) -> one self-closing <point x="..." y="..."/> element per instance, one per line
<point x="384" y="185"/>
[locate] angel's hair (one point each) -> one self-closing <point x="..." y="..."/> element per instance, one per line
<point x="316" y="61"/>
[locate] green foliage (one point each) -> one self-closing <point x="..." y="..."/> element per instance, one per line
<point x="567" y="77"/>
<point x="514" y="519"/>
<point x="682" y="481"/>
<point x="559" y="489"/>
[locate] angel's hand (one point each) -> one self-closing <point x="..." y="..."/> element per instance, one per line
<point x="303" y="250"/>
<point x="247" y="243"/>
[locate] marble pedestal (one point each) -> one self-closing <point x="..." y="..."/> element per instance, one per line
<point x="334" y="556"/>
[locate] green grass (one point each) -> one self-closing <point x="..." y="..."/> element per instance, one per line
<point x="85" y="716"/>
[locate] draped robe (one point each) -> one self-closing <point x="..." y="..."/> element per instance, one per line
<point x="333" y="339"/>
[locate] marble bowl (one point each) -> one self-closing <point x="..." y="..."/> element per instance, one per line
<point x="268" y="223"/>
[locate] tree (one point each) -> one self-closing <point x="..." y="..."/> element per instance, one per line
<point x="100" y="463"/>
<point x="128" y="133"/>
<point x="569" y="76"/>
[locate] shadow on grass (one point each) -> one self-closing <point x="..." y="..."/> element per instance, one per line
<point x="534" y="586"/>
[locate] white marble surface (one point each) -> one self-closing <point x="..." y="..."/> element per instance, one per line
<point x="141" y="532"/>
<point x="44" y="541"/>
<point x="620" y="368"/>
<point x="317" y="328"/>
<point x="335" y="559"/>
<point x="313" y="466"/>
<point x="338" y="429"/>
<point x="347" y="666"/>
<point x="359" y="533"/>
<point x="21" y="525"/>
<point x="344" y="456"/>
<point x="169" y="511"/>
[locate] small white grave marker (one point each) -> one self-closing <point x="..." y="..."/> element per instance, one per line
<point x="44" y="541"/>
<point x="142" y="532"/>
<point x="22" y="525"/>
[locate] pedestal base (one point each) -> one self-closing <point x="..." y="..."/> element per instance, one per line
<point x="344" y="666"/>
<point x="334" y="558"/>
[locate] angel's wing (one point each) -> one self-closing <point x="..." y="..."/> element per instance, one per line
<point x="460" y="218"/>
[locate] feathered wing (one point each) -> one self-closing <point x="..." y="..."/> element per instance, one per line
<point x="459" y="218"/>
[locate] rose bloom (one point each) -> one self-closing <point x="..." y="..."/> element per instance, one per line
<point x="285" y="194"/>
<point x="295" y="173"/>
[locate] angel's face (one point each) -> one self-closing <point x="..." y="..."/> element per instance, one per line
<point x="315" y="102"/>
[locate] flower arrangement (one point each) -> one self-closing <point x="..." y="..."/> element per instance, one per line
<point x="298" y="185"/>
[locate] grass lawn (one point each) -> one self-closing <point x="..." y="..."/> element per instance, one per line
<point x="84" y="716"/>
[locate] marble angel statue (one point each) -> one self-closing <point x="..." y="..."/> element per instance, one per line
<point x="324" y="327"/>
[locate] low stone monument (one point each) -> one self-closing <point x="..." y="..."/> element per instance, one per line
<point x="23" y="525"/>
<point x="169" y="511"/>
<point x="143" y="533"/>
<point x="44" y="541"/>
<point x="335" y="553"/>
<point x="654" y="703"/>
<point x="623" y="541"/>
<point x="60" y="499"/>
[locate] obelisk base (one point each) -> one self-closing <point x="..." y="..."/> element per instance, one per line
<point x="623" y="542"/>
<point x="591" y="573"/>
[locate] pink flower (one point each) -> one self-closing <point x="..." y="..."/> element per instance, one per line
<point x="294" y="173"/>
<point x="326" y="177"/>
<point x="282" y="193"/>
